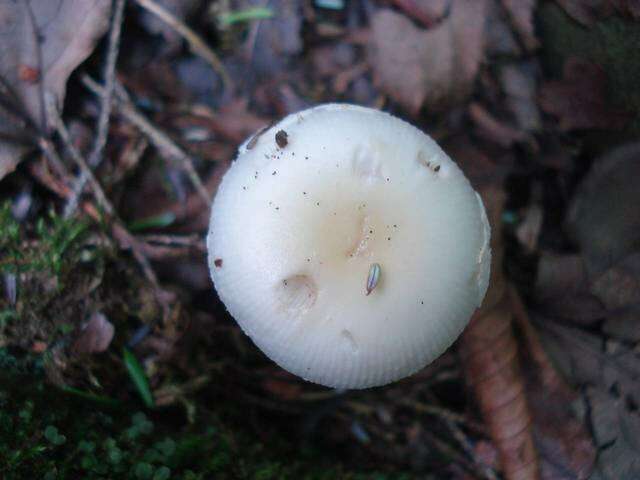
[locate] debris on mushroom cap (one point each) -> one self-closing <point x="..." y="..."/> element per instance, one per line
<point x="360" y="198"/>
<point x="282" y="138"/>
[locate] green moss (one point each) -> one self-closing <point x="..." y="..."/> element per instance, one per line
<point x="45" y="433"/>
<point x="53" y="240"/>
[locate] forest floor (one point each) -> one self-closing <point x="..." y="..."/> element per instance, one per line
<point x="118" y="120"/>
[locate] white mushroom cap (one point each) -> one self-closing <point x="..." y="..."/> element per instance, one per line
<point x="302" y="217"/>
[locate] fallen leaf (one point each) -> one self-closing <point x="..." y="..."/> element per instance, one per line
<point x="489" y="353"/>
<point x="564" y="443"/>
<point x="41" y="43"/>
<point x="500" y="39"/>
<point x="619" y="286"/>
<point x="585" y="359"/>
<point x="562" y="290"/>
<point x="579" y="100"/>
<point x="518" y="81"/>
<point x="624" y="324"/>
<point x="95" y="336"/>
<point x="528" y="231"/>
<point x="436" y="66"/>
<point x="492" y="128"/>
<point x="521" y="14"/>
<point x="604" y="218"/>
<point x="427" y="13"/>
<point x="588" y="12"/>
<point x="617" y="431"/>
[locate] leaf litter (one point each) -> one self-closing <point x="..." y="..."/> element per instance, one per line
<point x="473" y="74"/>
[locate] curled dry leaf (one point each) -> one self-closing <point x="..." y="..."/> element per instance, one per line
<point x="490" y="358"/>
<point x="95" y="336"/>
<point x="436" y="66"/>
<point x="579" y="100"/>
<point x="41" y="43"/>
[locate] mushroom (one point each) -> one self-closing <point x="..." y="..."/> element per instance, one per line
<point x="348" y="246"/>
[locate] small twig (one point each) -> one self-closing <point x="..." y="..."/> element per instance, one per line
<point x="95" y="157"/>
<point x="122" y="235"/>
<point x="196" y="43"/>
<point x="445" y="414"/>
<point x="464" y="442"/>
<point x="61" y="129"/>
<point x="192" y="241"/>
<point x="164" y="144"/>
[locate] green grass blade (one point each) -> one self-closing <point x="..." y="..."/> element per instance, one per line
<point x="138" y="376"/>
<point x="246" y="15"/>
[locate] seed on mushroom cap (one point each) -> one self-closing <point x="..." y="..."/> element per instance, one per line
<point x="325" y="286"/>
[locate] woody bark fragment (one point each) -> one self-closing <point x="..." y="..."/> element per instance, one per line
<point x="490" y="359"/>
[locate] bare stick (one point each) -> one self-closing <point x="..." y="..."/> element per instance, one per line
<point x="95" y="157"/>
<point x="167" y="147"/>
<point x="196" y="43"/>
<point x="61" y="129"/>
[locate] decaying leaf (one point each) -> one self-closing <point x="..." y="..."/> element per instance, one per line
<point x="521" y="15"/>
<point x="579" y="100"/>
<point x="41" y="43"/>
<point x="564" y="444"/>
<point x="95" y="336"/>
<point x="617" y="430"/>
<point x="604" y="217"/>
<point x="619" y="286"/>
<point x="613" y="393"/>
<point x="490" y="358"/>
<point x="435" y="66"/>
<point x="588" y="12"/>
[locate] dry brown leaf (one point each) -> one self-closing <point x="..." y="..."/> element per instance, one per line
<point x="41" y="43"/>
<point x="564" y="444"/>
<point x="490" y="358"/>
<point x="95" y="336"/>
<point x="579" y="100"/>
<point x="436" y="66"/>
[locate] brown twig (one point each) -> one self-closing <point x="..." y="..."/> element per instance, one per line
<point x="95" y="157"/>
<point x="120" y="233"/>
<point x="167" y="147"/>
<point x="63" y="133"/>
<point x="464" y="442"/>
<point x="196" y="43"/>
